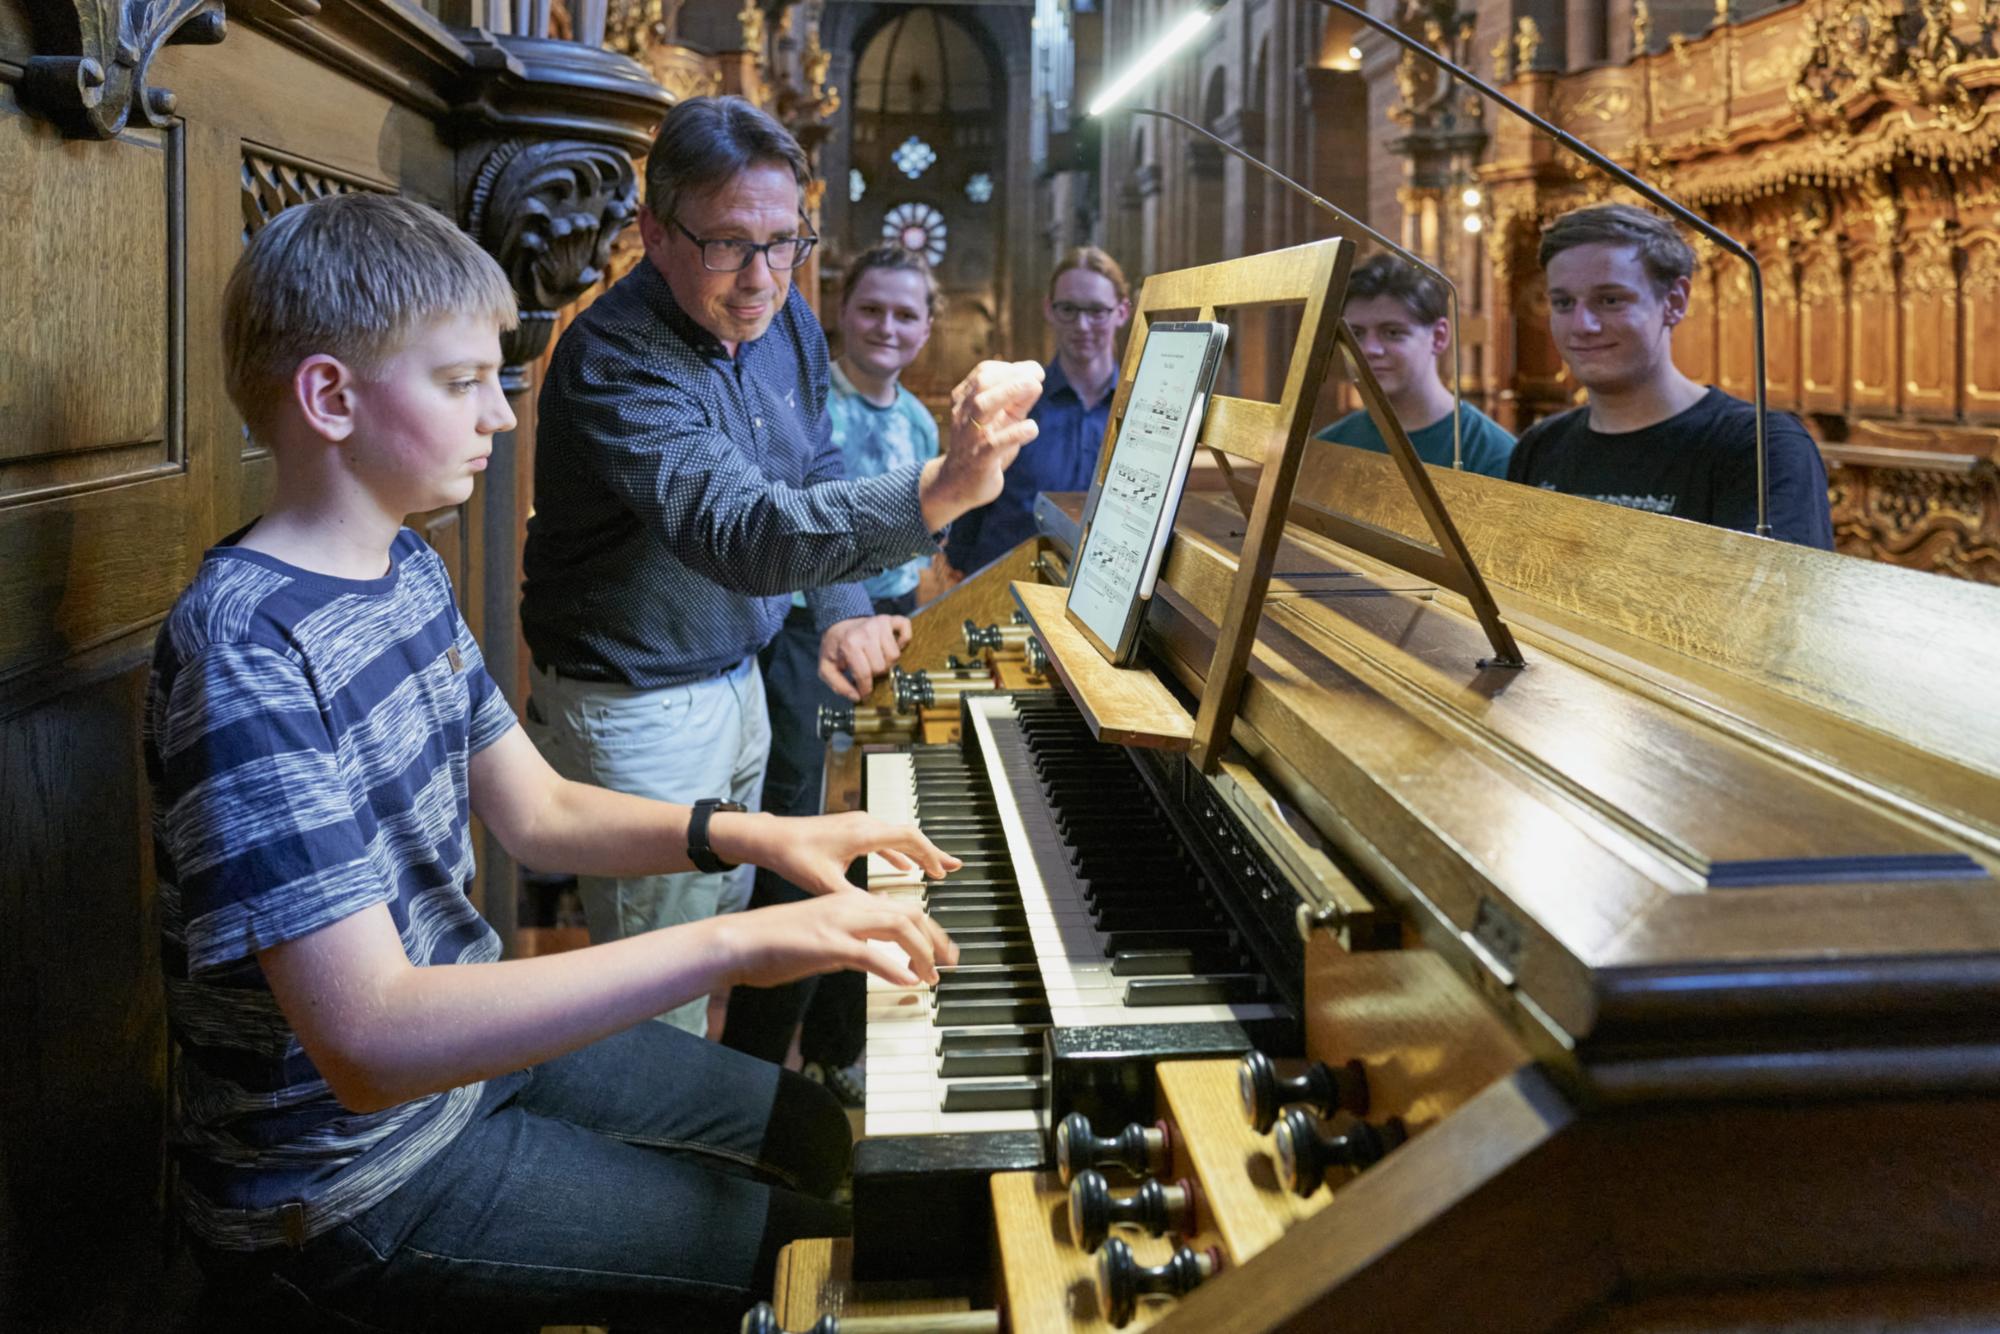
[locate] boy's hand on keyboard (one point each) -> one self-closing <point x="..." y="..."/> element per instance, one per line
<point x="814" y="852"/>
<point x="892" y="939"/>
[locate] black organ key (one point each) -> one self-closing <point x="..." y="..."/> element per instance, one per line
<point x="967" y="1013"/>
<point x="1000" y="1061"/>
<point x="1012" y="1095"/>
<point x="1220" y="989"/>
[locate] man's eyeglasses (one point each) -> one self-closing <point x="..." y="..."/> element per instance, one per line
<point x="1068" y="312"/>
<point x="733" y="256"/>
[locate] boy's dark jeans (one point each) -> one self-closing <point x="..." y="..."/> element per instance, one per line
<point x="646" y="1181"/>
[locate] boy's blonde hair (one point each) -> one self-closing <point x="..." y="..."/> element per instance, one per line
<point x="351" y="276"/>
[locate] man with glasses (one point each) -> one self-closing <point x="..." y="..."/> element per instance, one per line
<point x="686" y="482"/>
<point x="1088" y="303"/>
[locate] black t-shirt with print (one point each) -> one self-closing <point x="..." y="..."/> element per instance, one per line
<point x="1700" y="464"/>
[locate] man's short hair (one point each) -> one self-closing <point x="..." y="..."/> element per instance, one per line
<point x="896" y="259"/>
<point x="1099" y="263"/>
<point x="705" y="142"/>
<point x="1660" y="247"/>
<point x="1392" y="276"/>
<point x="351" y="276"/>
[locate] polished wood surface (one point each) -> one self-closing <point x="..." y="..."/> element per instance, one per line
<point x="1243" y="1198"/>
<point x="815" y="1277"/>
<point x="1051" y="1286"/>
<point x="1126" y="706"/>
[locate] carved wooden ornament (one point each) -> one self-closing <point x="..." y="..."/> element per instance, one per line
<point x="89" y="73"/>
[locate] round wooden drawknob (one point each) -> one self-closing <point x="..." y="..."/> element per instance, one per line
<point x="1121" y="1280"/>
<point x="1307" y="1153"/>
<point x="1138" y="1150"/>
<point x="1324" y="1088"/>
<point x="1094" y="1210"/>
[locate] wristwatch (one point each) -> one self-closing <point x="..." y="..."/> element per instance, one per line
<point x="702" y="855"/>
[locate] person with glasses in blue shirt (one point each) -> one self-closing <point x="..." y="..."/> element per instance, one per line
<point x="687" y="482"/>
<point x="1088" y="303"/>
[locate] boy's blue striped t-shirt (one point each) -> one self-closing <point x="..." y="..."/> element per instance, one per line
<point x="308" y="742"/>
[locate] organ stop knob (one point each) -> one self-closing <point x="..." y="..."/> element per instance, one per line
<point x="1121" y="1280"/>
<point x="1324" y="1088"/>
<point x="1159" y="1209"/>
<point x="1140" y="1150"/>
<point x="1306" y="1153"/>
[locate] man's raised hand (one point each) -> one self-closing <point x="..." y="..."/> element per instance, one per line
<point x="989" y="425"/>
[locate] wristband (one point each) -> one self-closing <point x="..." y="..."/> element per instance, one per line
<point x="699" y="852"/>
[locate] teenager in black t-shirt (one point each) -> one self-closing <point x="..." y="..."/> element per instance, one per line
<point x="1650" y="438"/>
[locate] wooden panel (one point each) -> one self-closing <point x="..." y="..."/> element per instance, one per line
<point x="1126" y="705"/>
<point x="815" y="1277"/>
<point x="1694" y="338"/>
<point x="1781" y="334"/>
<point x="87" y="380"/>
<point x="82" y="1072"/>
<point x="1473" y="1225"/>
<point x="1243" y="1198"/>
<point x="1051" y="1286"/>
<point x="1930" y="322"/>
<point x="1823" y="330"/>
<point x="1736" y="363"/>
<point x="84" y="571"/>
<point x="1979" y="325"/>
<point x="1874" y="334"/>
<point x="1429" y="1042"/>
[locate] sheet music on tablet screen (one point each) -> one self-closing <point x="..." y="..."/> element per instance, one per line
<point x="1143" y="483"/>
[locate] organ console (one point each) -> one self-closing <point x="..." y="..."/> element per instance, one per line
<point x="1649" y="986"/>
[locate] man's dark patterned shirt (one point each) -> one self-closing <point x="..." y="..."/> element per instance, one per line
<point x="681" y="494"/>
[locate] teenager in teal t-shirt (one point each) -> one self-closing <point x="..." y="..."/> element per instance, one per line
<point x="1397" y="312"/>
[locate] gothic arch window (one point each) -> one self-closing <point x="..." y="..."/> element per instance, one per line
<point x="928" y="95"/>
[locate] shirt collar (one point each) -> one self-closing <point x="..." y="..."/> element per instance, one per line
<point x="660" y="299"/>
<point x="1055" y="382"/>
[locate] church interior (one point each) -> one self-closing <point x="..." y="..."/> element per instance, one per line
<point x="1620" y="890"/>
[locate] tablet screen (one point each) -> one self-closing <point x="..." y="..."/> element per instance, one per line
<point x="1142" y="486"/>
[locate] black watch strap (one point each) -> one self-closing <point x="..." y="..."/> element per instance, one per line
<point x="699" y="852"/>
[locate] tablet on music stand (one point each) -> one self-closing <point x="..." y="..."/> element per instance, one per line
<point x="1125" y="538"/>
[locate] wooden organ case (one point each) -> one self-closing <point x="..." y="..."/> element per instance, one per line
<point x="1653" y="986"/>
<point x="142" y="142"/>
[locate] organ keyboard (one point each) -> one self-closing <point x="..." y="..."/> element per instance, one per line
<point x="1077" y="909"/>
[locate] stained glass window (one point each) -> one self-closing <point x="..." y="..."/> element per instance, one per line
<point x="917" y="227"/>
<point x="857" y="185"/>
<point x="980" y="188"/>
<point x="914" y="157"/>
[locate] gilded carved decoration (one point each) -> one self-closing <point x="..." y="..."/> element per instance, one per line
<point x="1901" y="54"/>
<point x="92" y="56"/>
<point x="1916" y="517"/>
<point x="1527" y="44"/>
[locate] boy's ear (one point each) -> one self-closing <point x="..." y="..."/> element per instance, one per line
<point x="1440" y="337"/>
<point x="1676" y="301"/>
<point x="323" y="388"/>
